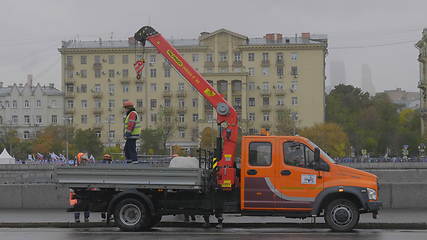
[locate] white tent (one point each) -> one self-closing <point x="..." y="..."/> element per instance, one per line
<point x="5" y="158"/>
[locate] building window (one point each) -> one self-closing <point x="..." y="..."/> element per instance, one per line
<point x="153" y="117"/>
<point x="294" y="85"/>
<point x="15" y="119"/>
<point x="264" y="56"/>
<point x="111" y="134"/>
<point x="153" y="72"/>
<point x="195" y="102"/>
<point x="97" y="88"/>
<point x="83" y="59"/>
<point x="70" y="103"/>
<point x="195" y="117"/>
<point x="181" y="133"/>
<point x="280" y="85"/>
<point x="139" y="87"/>
<point x="97" y="59"/>
<point x="152" y="59"/>
<point x="294" y="56"/>
<point x="39" y="119"/>
<point x="14" y="104"/>
<point x="153" y="87"/>
<point x="294" y="100"/>
<point x="280" y="101"/>
<point x="27" y="119"/>
<point x="111" y="73"/>
<point x="111" y="59"/>
<point x="279" y="57"/>
<point x="27" y="104"/>
<point x="111" y="118"/>
<point x="237" y="57"/>
<point x="265" y="101"/>
<point x="69" y="59"/>
<point x="97" y="119"/>
<point x="69" y="74"/>
<point x="223" y="56"/>
<point x="153" y="103"/>
<point x="167" y="102"/>
<point x="266" y="116"/>
<point x="167" y="72"/>
<point x="54" y="119"/>
<point x="53" y="103"/>
<point x="265" y="86"/>
<point x="294" y="71"/>
<point x="125" y="88"/>
<point x="98" y="133"/>
<point x="181" y="86"/>
<point x="139" y="103"/>
<point x="84" y="119"/>
<point x="6" y="104"/>
<point x="125" y="59"/>
<point x="251" y="71"/>
<point x="252" y="131"/>
<point x="294" y="116"/>
<point x="111" y="89"/>
<point x="181" y="103"/>
<point x="97" y="73"/>
<point x="111" y="104"/>
<point x="251" y="86"/>
<point x="181" y="118"/>
<point x="251" y="102"/>
<point x="280" y="71"/>
<point x="83" y="88"/>
<point x="251" y="57"/>
<point x="265" y="71"/>
<point x="195" y="57"/>
<point x="26" y="134"/>
<point x="125" y="73"/>
<point x="209" y="57"/>
<point x="167" y="87"/>
<point x="97" y="104"/>
<point x="251" y="116"/>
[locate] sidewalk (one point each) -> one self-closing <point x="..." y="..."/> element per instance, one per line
<point x="58" y="217"/>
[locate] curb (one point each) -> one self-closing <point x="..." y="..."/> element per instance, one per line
<point x="413" y="226"/>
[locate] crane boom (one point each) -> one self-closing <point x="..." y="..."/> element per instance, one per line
<point x="226" y="114"/>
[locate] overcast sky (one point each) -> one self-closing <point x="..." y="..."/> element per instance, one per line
<point x="380" y="33"/>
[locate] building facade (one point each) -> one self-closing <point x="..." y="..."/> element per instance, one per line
<point x="260" y="77"/>
<point x="404" y="99"/>
<point x="28" y="109"/>
<point x="422" y="84"/>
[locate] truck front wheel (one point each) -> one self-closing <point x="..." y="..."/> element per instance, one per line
<point x="342" y="215"/>
<point x="131" y="215"/>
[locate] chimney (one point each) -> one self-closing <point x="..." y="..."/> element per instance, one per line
<point x="51" y="85"/>
<point x="305" y="35"/>
<point x="30" y="80"/>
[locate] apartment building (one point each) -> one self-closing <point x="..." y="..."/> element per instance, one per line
<point x="422" y="84"/>
<point x="259" y="76"/>
<point x="28" y="108"/>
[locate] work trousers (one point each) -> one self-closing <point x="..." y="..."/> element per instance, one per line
<point x="130" y="150"/>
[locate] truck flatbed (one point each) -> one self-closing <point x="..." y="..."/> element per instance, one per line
<point x="130" y="176"/>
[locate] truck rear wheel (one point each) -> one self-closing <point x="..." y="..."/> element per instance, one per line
<point x="131" y="215"/>
<point x="342" y="215"/>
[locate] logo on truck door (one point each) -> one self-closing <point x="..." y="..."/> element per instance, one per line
<point x="308" y="179"/>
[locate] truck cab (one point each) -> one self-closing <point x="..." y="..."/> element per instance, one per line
<point x="291" y="176"/>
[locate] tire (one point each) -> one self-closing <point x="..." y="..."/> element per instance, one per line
<point x="131" y="215"/>
<point x="155" y="220"/>
<point x="342" y="215"/>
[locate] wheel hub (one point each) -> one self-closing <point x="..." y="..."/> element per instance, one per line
<point x="341" y="215"/>
<point x="130" y="214"/>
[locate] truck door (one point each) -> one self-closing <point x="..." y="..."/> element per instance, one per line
<point x="255" y="193"/>
<point x="296" y="183"/>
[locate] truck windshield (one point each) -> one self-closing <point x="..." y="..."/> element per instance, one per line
<point x="322" y="152"/>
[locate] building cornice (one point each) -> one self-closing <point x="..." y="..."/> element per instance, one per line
<point x="284" y="47"/>
<point x="127" y="50"/>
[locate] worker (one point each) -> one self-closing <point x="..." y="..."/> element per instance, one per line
<point x="107" y="158"/>
<point x="132" y="130"/>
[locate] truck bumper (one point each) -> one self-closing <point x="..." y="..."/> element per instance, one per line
<point x="374" y="206"/>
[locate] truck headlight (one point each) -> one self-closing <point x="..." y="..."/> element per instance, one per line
<point x="372" y="194"/>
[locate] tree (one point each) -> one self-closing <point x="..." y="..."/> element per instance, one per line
<point x="329" y="136"/>
<point x="51" y="139"/>
<point x="152" y="142"/>
<point x="116" y="152"/>
<point x="166" y="125"/>
<point x="88" y="141"/>
<point x="285" y="125"/>
<point x="9" y="140"/>
<point x="208" y="138"/>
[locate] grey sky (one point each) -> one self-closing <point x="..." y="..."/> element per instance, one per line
<point x="31" y="31"/>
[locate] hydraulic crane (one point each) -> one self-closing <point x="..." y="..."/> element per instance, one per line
<point x="226" y="114"/>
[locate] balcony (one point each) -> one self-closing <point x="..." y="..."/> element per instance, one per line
<point x="69" y="111"/>
<point x="97" y="110"/>
<point x="237" y="64"/>
<point x="69" y="66"/>
<point x="280" y="92"/>
<point x="167" y="93"/>
<point x="265" y="92"/>
<point x="69" y="94"/>
<point x="280" y="107"/>
<point x="181" y="109"/>
<point x="181" y="93"/>
<point x="265" y="63"/>
<point x="97" y="66"/>
<point x="265" y="108"/>
<point x="223" y="64"/>
<point x="209" y="64"/>
<point x="97" y="94"/>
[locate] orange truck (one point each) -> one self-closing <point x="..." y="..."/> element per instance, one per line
<point x="286" y="176"/>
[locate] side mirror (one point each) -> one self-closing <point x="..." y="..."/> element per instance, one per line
<point x="319" y="165"/>
<point x="317" y="155"/>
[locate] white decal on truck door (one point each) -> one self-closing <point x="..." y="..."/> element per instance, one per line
<point x="308" y="179"/>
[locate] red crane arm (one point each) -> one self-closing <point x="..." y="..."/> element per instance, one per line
<point x="225" y="112"/>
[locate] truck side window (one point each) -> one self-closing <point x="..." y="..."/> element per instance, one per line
<point x="298" y="155"/>
<point x="260" y="153"/>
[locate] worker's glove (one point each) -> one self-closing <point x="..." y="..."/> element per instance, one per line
<point x="127" y="134"/>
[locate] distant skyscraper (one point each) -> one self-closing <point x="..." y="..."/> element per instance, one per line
<point x="337" y="73"/>
<point x="367" y="84"/>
